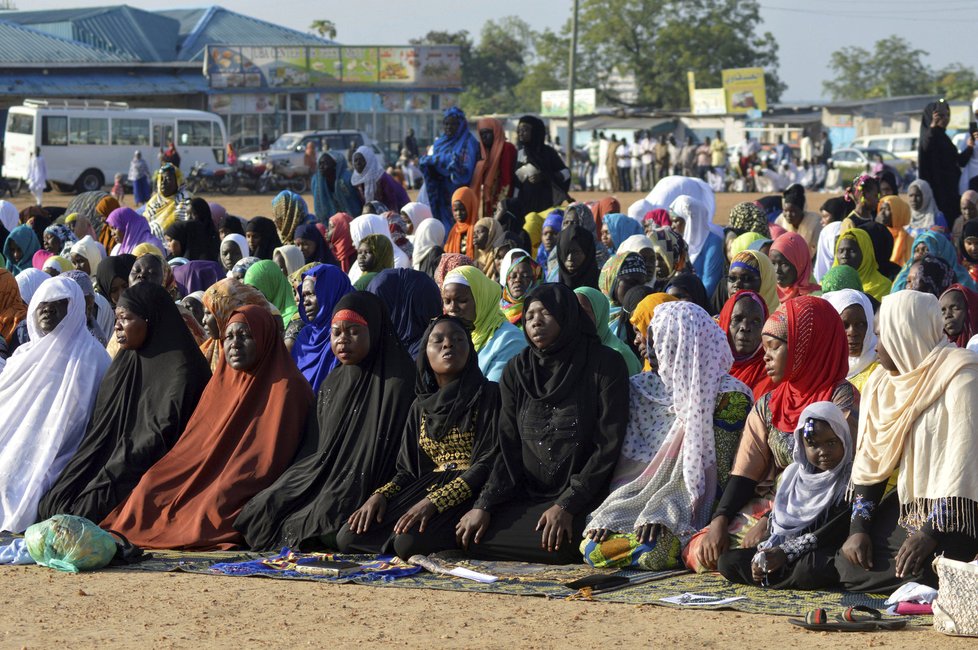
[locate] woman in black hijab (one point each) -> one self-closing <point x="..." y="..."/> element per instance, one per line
<point x="837" y="208"/>
<point x="561" y="425"/>
<point x="142" y="407"/>
<point x="351" y="448"/>
<point x="542" y="180"/>
<point x="577" y="265"/>
<point x="112" y="276"/>
<point x="689" y="288"/>
<point x="262" y="237"/>
<point x="447" y="452"/>
<point x="882" y="247"/>
<point x="211" y="244"/>
<point x="190" y="239"/>
<point x="939" y="161"/>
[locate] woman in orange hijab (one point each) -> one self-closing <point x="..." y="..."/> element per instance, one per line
<point x="642" y="318"/>
<point x="465" y="208"/>
<point x="894" y="213"/>
<point x="12" y="307"/>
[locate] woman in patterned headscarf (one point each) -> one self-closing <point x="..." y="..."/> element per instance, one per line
<point x="219" y="301"/>
<point x="687" y="442"/>
<point x="289" y="211"/>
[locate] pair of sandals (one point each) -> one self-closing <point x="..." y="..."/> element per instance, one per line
<point x="855" y="619"/>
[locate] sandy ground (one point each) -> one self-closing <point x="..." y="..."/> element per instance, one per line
<point x="118" y="609"/>
<point x="251" y="205"/>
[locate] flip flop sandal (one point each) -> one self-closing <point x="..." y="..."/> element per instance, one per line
<point x="874" y="618"/>
<point x="817" y="621"/>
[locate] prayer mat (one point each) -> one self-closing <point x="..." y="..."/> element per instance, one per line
<point x="381" y="568"/>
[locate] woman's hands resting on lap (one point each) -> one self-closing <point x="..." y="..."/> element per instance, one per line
<point x="715" y="543"/>
<point x="372" y="510"/>
<point x="556" y="524"/>
<point x="471" y="527"/>
<point x="420" y="513"/>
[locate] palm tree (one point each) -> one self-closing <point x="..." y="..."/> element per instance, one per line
<point x="325" y="28"/>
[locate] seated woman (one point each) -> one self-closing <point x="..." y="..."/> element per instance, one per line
<point x="447" y="451"/>
<point x="692" y="220"/>
<point x="937" y="245"/>
<point x="241" y="437"/>
<point x="372" y="183"/>
<point x="810" y="516"/>
<point x="13" y="310"/>
<point x="688" y="287"/>
<point x="143" y="405"/>
<point x="289" y="259"/>
<point x="219" y="302"/>
<point x="361" y="411"/>
<point x="752" y="271"/>
<point x="47" y="391"/>
<point x="130" y="230"/>
<point x="187" y="239"/>
<point x="374" y="254"/>
<point x="616" y="228"/>
<point x="931" y="275"/>
<point x="320" y="291"/>
<point x="428" y="239"/>
<point x="854" y="248"/>
<point x="197" y="275"/>
<point x="857" y="316"/>
<point x="794" y="217"/>
<point x="86" y="254"/>
<point x="925" y="216"/>
<point x="968" y="246"/>
<point x="561" y="425"/>
<point x="697" y="419"/>
<point x="597" y="307"/>
<point x="267" y="278"/>
<point x="577" y="264"/>
<point x="19" y="248"/>
<point x="841" y="277"/>
<point x="620" y="274"/>
<point x="742" y="318"/>
<point x="262" y="237"/>
<point x="640" y="319"/>
<point x="289" y="211"/>
<point x="484" y="234"/>
<point x="469" y="295"/>
<point x="670" y="256"/>
<point x="234" y="248"/>
<point x="548" y="239"/>
<point x="918" y="417"/>
<point x="806" y="357"/>
<point x="313" y="246"/>
<point x="643" y="246"/>
<point x="465" y="212"/>
<point x="112" y="277"/>
<point x="519" y="275"/>
<point x="959" y="306"/>
<point x="793" y="267"/>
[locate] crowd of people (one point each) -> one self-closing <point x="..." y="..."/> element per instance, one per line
<point x="788" y="399"/>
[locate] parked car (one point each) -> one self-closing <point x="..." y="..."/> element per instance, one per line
<point x="292" y="146"/>
<point x="852" y="162"/>
<point x="901" y="145"/>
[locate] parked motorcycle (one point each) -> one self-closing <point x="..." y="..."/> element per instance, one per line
<point x="280" y="175"/>
<point x="201" y="179"/>
<point x="249" y="175"/>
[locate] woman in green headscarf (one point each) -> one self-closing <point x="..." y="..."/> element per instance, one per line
<point x="841" y="277"/>
<point x="743" y="242"/>
<point x="468" y="294"/>
<point x="597" y="307"/>
<point x="374" y="254"/>
<point x="267" y="277"/>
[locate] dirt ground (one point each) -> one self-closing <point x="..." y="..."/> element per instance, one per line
<point x="118" y="609"/>
<point x="252" y="205"/>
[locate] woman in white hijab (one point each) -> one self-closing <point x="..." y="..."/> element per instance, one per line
<point x="857" y="317"/>
<point x="698" y="231"/>
<point x="428" y="241"/>
<point x="47" y="392"/>
<point x="415" y="214"/>
<point x="374" y="224"/>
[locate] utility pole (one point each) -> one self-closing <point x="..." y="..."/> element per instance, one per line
<point x="571" y="70"/>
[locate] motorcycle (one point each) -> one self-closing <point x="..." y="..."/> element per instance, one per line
<point x="280" y="175"/>
<point x="249" y="175"/>
<point x="201" y="179"/>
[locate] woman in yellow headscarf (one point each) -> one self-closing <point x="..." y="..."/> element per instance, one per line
<point x="642" y="318"/>
<point x="855" y="249"/>
<point x="760" y="265"/>
<point x="894" y="213"/>
<point x="170" y="203"/>
<point x="533" y="225"/>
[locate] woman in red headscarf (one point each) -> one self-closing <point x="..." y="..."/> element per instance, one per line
<point x="792" y="260"/>
<point x="492" y="180"/>
<point x="340" y="240"/>
<point x="742" y="318"/>
<point x="807" y="359"/>
<point x="959" y="306"/>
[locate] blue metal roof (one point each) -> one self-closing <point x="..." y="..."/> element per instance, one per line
<point x="109" y="83"/>
<point x="216" y="25"/>
<point x="26" y="45"/>
<point x="143" y="35"/>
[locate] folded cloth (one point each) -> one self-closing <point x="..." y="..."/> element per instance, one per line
<point x="913" y="609"/>
<point x="16" y="553"/>
<point x="912" y="592"/>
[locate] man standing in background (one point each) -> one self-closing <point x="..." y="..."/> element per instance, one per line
<point x="718" y="154"/>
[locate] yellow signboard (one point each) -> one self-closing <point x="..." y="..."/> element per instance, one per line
<point x="744" y="88"/>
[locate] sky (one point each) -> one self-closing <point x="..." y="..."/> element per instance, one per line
<point x="807" y="31"/>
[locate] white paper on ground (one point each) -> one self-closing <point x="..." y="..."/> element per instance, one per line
<point x="912" y="592"/>
<point x="697" y="600"/>
<point x="460" y="572"/>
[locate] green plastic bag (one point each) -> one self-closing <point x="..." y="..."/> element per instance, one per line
<point x="70" y="543"/>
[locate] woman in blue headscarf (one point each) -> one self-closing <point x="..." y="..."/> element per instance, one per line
<point x="616" y="228"/>
<point x="938" y="245"/>
<point x="19" y="248"/>
<point x="412" y="299"/>
<point x="551" y="230"/>
<point x="322" y="287"/>
<point x="450" y="165"/>
<point x="332" y="189"/>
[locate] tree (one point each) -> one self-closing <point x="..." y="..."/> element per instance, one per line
<point x="657" y="41"/>
<point x="893" y="68"/>
<point x="956" y="82"/>
<point x="325" y="28"/>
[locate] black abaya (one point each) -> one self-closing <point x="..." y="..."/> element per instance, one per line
<point x="142" y="407"/>
<point x="361" y="411"/>
<point x="554" y="176"/>
<point x="939" y="163"/>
